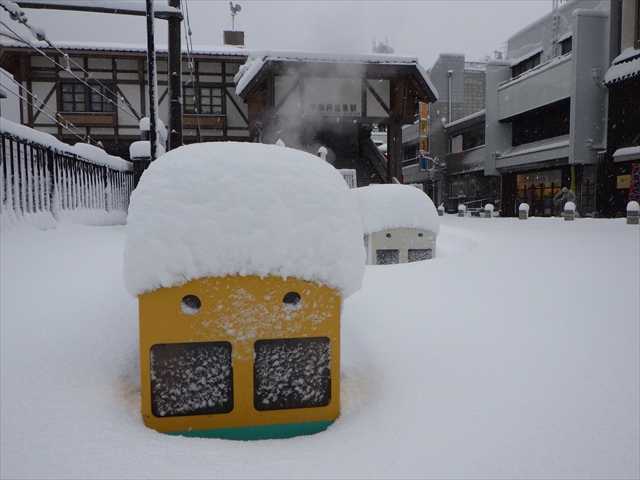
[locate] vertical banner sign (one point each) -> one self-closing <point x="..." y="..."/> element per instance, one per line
<point x="424" y="129"/>
<point x="424" y="111"/>
<point x="424" y="126"/>
<point x="634" y="184"/>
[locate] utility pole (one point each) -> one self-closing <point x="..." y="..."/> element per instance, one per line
<point x="151" y="75"/>
<point x="175" y="79"/>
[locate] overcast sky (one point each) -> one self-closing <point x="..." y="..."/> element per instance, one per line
<point x="422" y="28"/>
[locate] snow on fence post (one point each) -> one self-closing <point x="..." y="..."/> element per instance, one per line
<point x="523" y="211"/>
<point x="462" y="210"/>
<point x="633" y="213"/>
<point x="569" y="211"/>
<point x="488" y="210"/>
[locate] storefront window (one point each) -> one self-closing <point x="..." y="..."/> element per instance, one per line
<point x="589" y="189"/>
<point x="537" y="189"/>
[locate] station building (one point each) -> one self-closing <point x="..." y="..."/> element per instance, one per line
<point x="229" y="93"/>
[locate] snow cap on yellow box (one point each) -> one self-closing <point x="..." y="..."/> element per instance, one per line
<point x="227" y="208"/>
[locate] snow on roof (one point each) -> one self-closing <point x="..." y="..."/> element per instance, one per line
<point x="621" y="71"/>
<point x="627" y="153"/>
<point x="554" y="62"/>
<point x="626" y="54"/>
<point x="257" y="58"/>
<point x="472" y="116"/>
<point x="226" y="208"/>
<point x="522" y="58"/>
<point x="539" y="146"/>
<point x="89" y="152"/>
<point x="388" y="206"/>
<point x="129" y="47"/>
<point x="566" y="35"/>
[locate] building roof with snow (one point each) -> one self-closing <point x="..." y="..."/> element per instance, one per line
<point x="389" y="206"/>
<point x="225" y="208"/>
<point x="260" y="62"/>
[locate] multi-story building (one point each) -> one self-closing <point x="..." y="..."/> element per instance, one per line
<point x="619" y="168"/>
<point x="100" y="92"/>
<point x="461" y="85"/>
<point x="546" y="107"/>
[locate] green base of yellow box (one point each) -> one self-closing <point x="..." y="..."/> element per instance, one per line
<point x="261" y="432"/>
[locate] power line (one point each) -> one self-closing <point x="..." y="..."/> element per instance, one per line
<point x="67" y="68"/>
<point x="39" y="108"/>
<point x="190" y="62"/>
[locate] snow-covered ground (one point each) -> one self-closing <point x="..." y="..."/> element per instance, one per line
<point x="514" y="354"/>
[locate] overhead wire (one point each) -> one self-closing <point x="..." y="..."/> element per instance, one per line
<point x="190" y="62"/>
<point x="18" y="15"/>
<point x="65" y="125"/>
<point x="136" y="114"/>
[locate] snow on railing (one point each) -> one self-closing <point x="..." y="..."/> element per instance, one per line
<point x="42" y="184"/>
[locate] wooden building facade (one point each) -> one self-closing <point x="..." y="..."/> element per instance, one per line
<point x="101" y="92"/>
<point x="311" y="100"/>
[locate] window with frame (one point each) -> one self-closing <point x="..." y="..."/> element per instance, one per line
<point x="203" y="99"/>
<point x="101" y="99"/>
<point x="77" y="97"/>
<point x="566" y="46"/>
<point x="73" y="97"/>
<point x="525" y="65"/>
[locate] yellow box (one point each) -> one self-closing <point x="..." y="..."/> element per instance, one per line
<point x="257" y="358"/>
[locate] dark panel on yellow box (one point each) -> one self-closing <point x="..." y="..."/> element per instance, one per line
<point x="292" y="373"/>
<point x="235" y="318"/>
<point x="191" y="379"/>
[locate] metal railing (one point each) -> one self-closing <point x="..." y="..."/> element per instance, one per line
<point x="476" y="204"/>
<point x="39" y="180"/>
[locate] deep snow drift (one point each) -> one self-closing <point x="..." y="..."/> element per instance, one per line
<point x="514" y="353"/>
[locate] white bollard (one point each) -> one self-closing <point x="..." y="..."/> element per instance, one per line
<point x="569" y="211"/>
<point x="523" y="211"/>
<point x="441" y="211"/>
<point x="488" y="210"/>
<point x="462" y="209"/>
<point x="633" y="213"/>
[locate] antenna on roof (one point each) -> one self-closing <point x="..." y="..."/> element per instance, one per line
<point x="234" y="11"/>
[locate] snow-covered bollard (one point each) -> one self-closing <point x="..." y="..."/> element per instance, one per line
<point x="400" y="223"/>
<point x="240" y="255"/>
<point x="462" y="209"/>
<point x="488" y="210"/>
<point x="569" y="211"/>
<point x="441" y="210"/>
<point x="523" y="211"/>
<point x="633" y="213"/>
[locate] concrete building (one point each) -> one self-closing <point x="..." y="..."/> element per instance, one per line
<point x="461" y="85"/>
<point x="619" y="167"/>
<point x="546" y="106"/>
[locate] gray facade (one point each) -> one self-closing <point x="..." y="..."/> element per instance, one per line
<point x="618" y="179"/>
<point x="546" y="106"/>
<point x="461" y="85"/>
